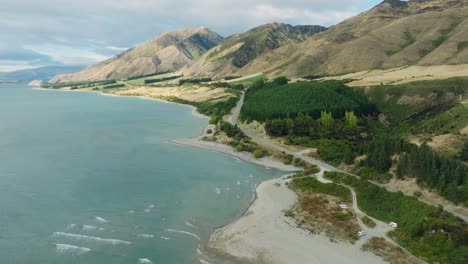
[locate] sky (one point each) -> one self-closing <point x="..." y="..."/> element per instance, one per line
<point x="36" y="33"/>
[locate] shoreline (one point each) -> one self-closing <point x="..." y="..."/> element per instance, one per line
<point x="195" y="113"/>
<point x="267" y="162"/>
<point x="259" y="234"/>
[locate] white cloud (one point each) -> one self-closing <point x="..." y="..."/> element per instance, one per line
<point x="68" y="55"/>
<point x="87" y="31"/>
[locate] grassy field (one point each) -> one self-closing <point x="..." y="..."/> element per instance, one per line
<point x="311" y="184"/>
<point x="141" y="81"/>
<point x="400" y="102"/>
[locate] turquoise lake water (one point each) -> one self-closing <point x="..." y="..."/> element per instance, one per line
<point x="86" y="178"/>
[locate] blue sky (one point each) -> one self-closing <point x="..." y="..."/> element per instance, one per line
<point x="36" y="33"/>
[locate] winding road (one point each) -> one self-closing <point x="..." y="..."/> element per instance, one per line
<point x="380" y="230"/>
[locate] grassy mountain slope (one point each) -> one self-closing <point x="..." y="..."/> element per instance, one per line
<point x="167" y="52"/>
<point x="392" y="34"/>
<point x="239" y="50"/>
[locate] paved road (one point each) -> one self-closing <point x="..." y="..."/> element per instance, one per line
<point x="234" y="118"/>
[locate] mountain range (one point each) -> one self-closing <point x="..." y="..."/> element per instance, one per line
<point x="392" y="34"/>
<point x="41" y="73"/>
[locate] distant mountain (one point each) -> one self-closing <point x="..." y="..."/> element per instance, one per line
<point x="42" y="73"/>
<point x="392" y="34"/>
<point x="239" y="50"/>
<point x="167" y="52"/>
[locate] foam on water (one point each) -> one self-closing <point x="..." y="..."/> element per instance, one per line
<point x="90" y="238"/>
<point x="70" y="249"/>
<point x="218" y="191"/>
<point x="88" y="228"/>
<point x="165" y="238"/>
<point x="238" y="183"/>
<point x="191" y="225"/>
<point x="235" y="158"/>
<point x="100" y="219"/>
<point x="144" y="261"/>
<point x="70" y="226"/>
<point x="183" y="232"/>
<point x="145" y="236"/>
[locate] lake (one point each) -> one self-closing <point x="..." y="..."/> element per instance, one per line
<point x="87" y="178"/>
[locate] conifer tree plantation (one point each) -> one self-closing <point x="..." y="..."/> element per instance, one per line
<point x="342" y="124"/>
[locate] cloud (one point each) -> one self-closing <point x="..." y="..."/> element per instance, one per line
<point x="69" y="31"/>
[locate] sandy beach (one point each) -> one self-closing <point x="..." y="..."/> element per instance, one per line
<point x="265" y="235"/>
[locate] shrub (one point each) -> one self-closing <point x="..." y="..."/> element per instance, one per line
<point x="239" y="148"/>
<point x="258" y="153"/>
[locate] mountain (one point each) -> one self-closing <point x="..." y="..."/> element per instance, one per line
<point x="239" y="50"/>
<point x="392" y="34"/>
<point x="41" y="73"/>
<point x="167" y="52"/>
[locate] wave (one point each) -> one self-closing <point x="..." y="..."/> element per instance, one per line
<point x="90" y="238"/>
<point x="218" y="191"/>
<point x="251" y="176"/>
<point x="238" y="183"/>
<point x="165" y="238"/>
<point x="147" y="210"/>
<point x="88" y="228"/>
<point x="151" y="206"/>
<point x="70" y="226"/>
<point x="145" y="236"/>
<point x="183" y="232"/>
<point x="100" y="219"/>
<point x="235" y="158"/>
<point x="65" y="248"/>
<point x="131" y="212"/>
<point x="144" y="261"/>
<point x="191" y="225"/>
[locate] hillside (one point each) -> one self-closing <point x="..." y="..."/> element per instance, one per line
<point x="392" y="34"/>
<point x="239" y="50"/>
<point x="167" y="52"/>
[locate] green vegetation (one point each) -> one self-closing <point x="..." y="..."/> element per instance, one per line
<point x="147" y="75"/>
<point x="216" y="109"/>
<point x="77" y="85"/>
<point x="140" y="80"/>
<point x="416" y="100"/>
<point x="239" y="86"/>
<point x="464" y="152"/>
<point x="374" y="175"/>
<point x="194" y="80"/>
<point x="448" y="176"/>
<point x="462" y="45"/>
<point x="425" y="230"/>
<point x="260" y="77"/>
<point x="449" y="121"/>
<point x="266" y="101"/>
<point x="311" y="184"/>
<point x="368" y="222"/>
<point x="162" y="79"/>
<point x="258" y="153"/>
<point x="114" y="86"/>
